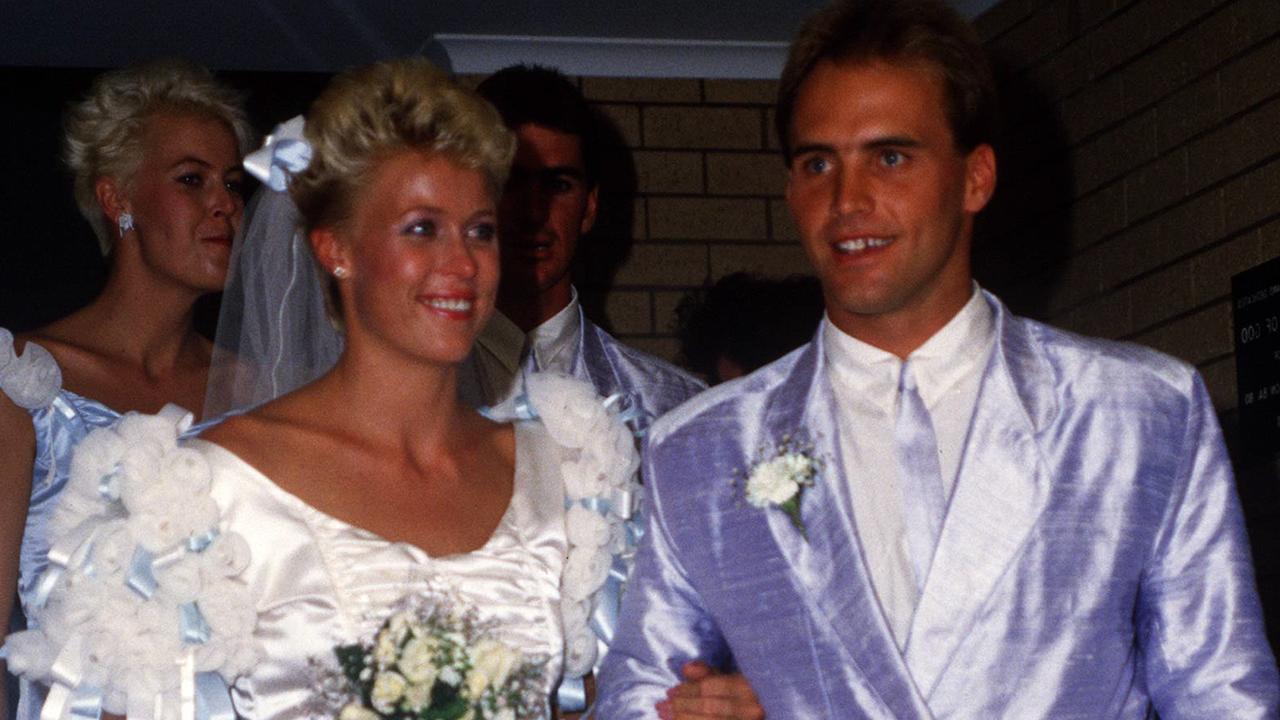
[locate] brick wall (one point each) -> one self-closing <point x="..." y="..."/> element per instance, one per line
<point x="1140" y="171"/>
<point x="694" y="192"/>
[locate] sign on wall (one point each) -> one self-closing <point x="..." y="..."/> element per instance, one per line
<point x="1255" y="302"/>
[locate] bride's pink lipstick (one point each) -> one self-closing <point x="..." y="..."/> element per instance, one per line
<point x="221" y="240"/>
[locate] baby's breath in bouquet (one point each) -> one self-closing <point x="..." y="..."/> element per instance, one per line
<point x="428" y="662"/>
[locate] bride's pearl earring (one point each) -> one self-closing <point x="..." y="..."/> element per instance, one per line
<point x="340" y="272"/>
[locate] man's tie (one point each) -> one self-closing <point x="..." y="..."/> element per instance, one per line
<point x="921" y="478"/>
<point x="528" y="358"/>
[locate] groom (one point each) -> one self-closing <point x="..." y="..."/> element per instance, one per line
<point x="935" y="508"/>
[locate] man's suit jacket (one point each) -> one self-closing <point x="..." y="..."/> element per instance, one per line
<point x="1092" y="563"/>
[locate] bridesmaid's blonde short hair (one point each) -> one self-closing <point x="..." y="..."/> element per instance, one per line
<point x="105" y="128"/>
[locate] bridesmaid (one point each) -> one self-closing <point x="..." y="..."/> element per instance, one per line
<point x="155" y="152"/>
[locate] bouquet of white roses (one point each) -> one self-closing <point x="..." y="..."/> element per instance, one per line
<point x="428" y="663"/>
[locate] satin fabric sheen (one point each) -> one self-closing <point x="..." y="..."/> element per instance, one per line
<point x="1092" y="564"/>
<point x="321" y="582"/>
<point x="59" y="426"/>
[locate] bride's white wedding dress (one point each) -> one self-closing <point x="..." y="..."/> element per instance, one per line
<point x="321" y="582"/>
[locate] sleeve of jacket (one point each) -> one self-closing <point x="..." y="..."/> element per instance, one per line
<point x="1200" y="625"/>
<point x="663" y="623"/>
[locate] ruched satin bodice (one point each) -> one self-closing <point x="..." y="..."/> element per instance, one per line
<point x="322" y="582"/>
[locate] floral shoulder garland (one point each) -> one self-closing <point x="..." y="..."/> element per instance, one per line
<point x="30" y="380"/>
<point x="140" y="611"/>
<point x="602" y="491"/>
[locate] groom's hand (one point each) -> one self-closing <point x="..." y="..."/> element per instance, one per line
<point x="708" y="695"/>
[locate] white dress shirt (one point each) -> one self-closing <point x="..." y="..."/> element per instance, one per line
<point x="948" y="369"/>
<point x="499" y="350"/>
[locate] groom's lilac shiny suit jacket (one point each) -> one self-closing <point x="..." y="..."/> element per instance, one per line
<point x="1092" y="564"/>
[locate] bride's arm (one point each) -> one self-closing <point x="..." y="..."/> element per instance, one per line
<point x="17" y="448"/>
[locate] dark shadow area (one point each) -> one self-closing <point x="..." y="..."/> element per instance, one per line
<point x="1024" y="235"/>
<point x="602" y="251"/>
<point x="1258" y="482"/>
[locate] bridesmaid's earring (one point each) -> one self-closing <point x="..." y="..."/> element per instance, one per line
<point x="125" y="221"/>
<point x="340" y="272"/>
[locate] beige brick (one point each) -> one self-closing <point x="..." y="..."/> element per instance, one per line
<point x="771" y="130"/>
<point x="702" y="127"/>
<point x="672" y="90"/>
<point x="666" y="265"/>
<point x="665" y="303"/>
<point x="781" y="226"/>
<point x="1156" y="186"/>
<point x="745" y="174"/>
<point x="668" y="172"/>
<point x="1268" y="242"/>
<point x="1220" y="381"/>
<point x="1161" y="295"/>
<point x="1230" y="149"/>
<point x="772" y="260"/>
<point x="1196" y="338"/>
<point x="1191" y="110"/>
<point x="666" y="348"/>
<point x="629" y="312"/>
<point x="1097" y="216"/>
<point x="707" y="218"/>
<point x="625" y="120"/>
<point x="1107" y="317"/>
<point x="1252" y="197"/>
<point x="1098" y="105"/>
<point x="1047" y="29"/>
<point x="1120" y="150"/>
<point x="1177" y="232"/>
<point x="1212" y="269"/>
<point x="755" y="92"/>
<point x="1251" y="79"/>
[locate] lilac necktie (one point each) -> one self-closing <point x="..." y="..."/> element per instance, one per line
<point x="921" y="475"/>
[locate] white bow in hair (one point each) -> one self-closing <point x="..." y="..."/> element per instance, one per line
<point x="283" y="154"/>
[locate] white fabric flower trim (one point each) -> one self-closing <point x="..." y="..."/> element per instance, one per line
<point x="31" y="380"/>
<point x="601" y="492"/>
<point x="141" y="605"/>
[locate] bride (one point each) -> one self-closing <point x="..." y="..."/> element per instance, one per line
<point x="372" y="482"/>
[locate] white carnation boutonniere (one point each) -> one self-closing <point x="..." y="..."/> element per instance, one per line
<point x="780" y="476"/>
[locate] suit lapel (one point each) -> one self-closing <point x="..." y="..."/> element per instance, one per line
<point x="828" y="567"/>
<point x="1001" y="491"/>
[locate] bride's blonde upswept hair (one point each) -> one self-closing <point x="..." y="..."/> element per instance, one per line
<point x="367" y="115"/>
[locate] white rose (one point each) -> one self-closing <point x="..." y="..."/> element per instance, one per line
<point x="505" y="714"/>
<point x="385" y="650"/>
<point x="356" y="711"/>
<point x="388" y="688"/>
<point x="240" y="660"/>
<point x="579" y="651"/>
<point x="491" y="663"/>
<point x="95" y="456"/>
<point x="30" y="653"/>
<point x="139" y="472"/>
<point x="155" y="531"/>
<point x="584" y="572"/>
<point x="585" y="527"/>
<point x="418" y="696"/>
<point x="227" y="556"/>
<point x="188" y="469"/>
<point x="417" y="661"/>
<point x="180" y="580"/>
<point x="583" y="478"/>
<point x="228" y="609"/>
<point x="449" y="676"/>
<point x="771" y="483"/>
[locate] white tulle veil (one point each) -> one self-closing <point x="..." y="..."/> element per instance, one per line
<point x="273" y="331"/>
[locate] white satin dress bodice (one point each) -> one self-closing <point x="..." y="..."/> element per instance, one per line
<point x="321" y="582"/>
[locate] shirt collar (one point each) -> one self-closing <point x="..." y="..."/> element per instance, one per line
<point x="551" y="337"/>
<point x="961" y="347"/>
